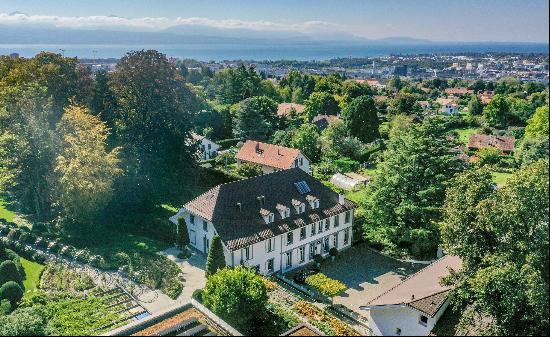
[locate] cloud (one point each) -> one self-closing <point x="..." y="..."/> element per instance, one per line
<point x="159" y="23"/>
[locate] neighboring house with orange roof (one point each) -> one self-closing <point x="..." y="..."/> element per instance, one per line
<point x="413" y="307"/>
<point x="486" y="96"/>
<point x="459" y="91"/>
<point x="505" y="144"/>
<point x="283" y="109"/>
<point x="272" y="157"/>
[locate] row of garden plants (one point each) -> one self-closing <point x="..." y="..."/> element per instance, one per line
<point x="145" y="267"/>
<point x="66" y="303"/>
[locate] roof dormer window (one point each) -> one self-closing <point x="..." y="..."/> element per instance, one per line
<point x="313" y="201"/>
<point x="283" y="210"/>
<point x="268" y="216"/>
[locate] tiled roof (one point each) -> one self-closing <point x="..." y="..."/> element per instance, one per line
<point x="505" y="144"/>
<point x="423" y="290"/>
<point x="430" y="305"/>
<point x="284" y="108"/>
<point x="268" y="154"/>
<point x="323" y="121"/>
<point x="240" y="228"/>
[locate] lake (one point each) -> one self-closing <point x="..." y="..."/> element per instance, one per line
<point x="274" y="51"/>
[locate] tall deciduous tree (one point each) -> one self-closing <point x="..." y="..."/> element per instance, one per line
<point x="27" y="148"/>
<point x="475" y="108"/>
<point x="85" y="169"/>
<point x="153" y="119"/>
<point x="497" y="112"/>
<point x="404" y="200"/>
<point x="320" y="103"/>
<point x="502" y="236"/>
<point x="361" y="119"/>
<point x="216" y="259"/>
<point x="255" y="118"/>
<point x="305" y="138"/>
<point x="537" y="126"/>
<point x="235" y="85"/>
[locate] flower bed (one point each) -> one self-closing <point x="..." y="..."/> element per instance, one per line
<point x="323" y="320"/>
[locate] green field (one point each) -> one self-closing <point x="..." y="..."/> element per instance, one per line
<point x="464" y="134"/>
<point x="33" y="271"/>
<point x="5" y="211"/>
<point x="500" y="178"/>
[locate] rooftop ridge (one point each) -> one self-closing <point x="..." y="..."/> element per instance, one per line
<point x="410" y="277"/>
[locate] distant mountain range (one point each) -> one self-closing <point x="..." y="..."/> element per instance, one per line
<point x="188" y="34"/>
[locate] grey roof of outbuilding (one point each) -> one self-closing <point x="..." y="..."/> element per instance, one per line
<point x="238" y="229"/>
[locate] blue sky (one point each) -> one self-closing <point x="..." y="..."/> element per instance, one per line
<point x="441" y="20"/>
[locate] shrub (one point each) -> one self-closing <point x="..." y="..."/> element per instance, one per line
<point x="24" y="237"/>
<point x="82" y="256"/>
<point x="216" y="259"/>
<point x="12" y="292"/>
<point x="9" y="272"/>
<point x="5" y="308"/>
<point x="325" y="285"/>
<point x="68" y="251"/>
<point x="39" y="257"/>
<point x="249" y="170"/>
<point x="197" y="295"/>
<point x="318" y="258"/>
<point x="40" y="242"/>
<point x="333" y="251"/>
<point x="13" y="234"/>
<point x="238" y="296"/>
<point x="24" y="322"/>
<point x="182" y="235"/>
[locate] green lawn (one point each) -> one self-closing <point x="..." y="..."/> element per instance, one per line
<point x="464" y="134"/>
<point x="5" y="211"/>
<point x="500" y="178"/>
<point x="33" y="271"/>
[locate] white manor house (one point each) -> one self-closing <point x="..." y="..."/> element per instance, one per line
<point x="273" y="223"/>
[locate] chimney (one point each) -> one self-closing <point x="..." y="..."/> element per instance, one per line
<point x="341" y="199"/>
<point x="257" y="147"/>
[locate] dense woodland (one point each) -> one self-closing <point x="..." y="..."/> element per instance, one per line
<point x="79" y="152"/>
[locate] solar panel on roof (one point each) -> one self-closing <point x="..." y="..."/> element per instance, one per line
<point x="302" y="187"/>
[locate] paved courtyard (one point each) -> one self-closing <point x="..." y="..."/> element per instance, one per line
<point x="367" y="274"/>
<point x="192" y="269"/>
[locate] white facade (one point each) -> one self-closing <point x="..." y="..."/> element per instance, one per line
<point x="401" y="320"/>
<point x="283" y="252"/>
<point x="207" y="148"/>
<point x="450" y="109"/>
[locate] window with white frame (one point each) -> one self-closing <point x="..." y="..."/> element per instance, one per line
<point x="327" y="224"/>
<point x="313" y="229"/>
<point x="302" y="233"/>
<point x="335" y="240"/>
<point x="289" y="259"/>
<point x="192" y="219"/>
<point x="192" y="237"/>
<point x="205" y="225"/>
<point x="337" y="220"/>
<point x="270" y="243"/>
<point x="311" y="250"/>
<point x="348" y="217"/>
<point x="320" y="227"/>
<point x="270" y="266"/>
<point x="247" y="253"/>
<point x="289" y="238"/>
<point x="302" y="251"/>
<point x="326" y="245"/>
<point x="346" y="236"/>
